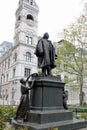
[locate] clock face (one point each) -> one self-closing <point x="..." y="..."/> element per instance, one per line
<point x="82" y="19"/>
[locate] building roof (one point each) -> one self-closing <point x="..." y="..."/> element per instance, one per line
<point x="6" y="44"/>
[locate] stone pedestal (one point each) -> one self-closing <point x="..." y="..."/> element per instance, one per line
<point x="47" y="107"/>
<point x="47" y="94"/>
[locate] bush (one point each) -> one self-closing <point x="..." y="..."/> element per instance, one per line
<point x="84" y="116"/>
<point x="6" y="113"/>
<point x="78" y="108"/>
<point x="81" y="116"/>
<point x="2" y="124"/>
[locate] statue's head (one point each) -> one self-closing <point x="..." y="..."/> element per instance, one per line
<point x="22" y="81"/>
<point x="46" y="35"/>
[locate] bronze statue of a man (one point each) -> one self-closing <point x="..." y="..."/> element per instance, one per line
<point x="46" y="54"/>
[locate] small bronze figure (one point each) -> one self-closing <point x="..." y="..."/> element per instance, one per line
<point x="24" y="105"/>
<point x="65" y="98"/>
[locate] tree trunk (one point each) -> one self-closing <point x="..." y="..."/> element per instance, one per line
<point x="81" y="92"/>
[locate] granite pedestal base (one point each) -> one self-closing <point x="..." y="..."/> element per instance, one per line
<point x="47" y="111"/>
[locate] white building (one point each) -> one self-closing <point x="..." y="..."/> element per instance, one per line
<point x="18" y="60"/>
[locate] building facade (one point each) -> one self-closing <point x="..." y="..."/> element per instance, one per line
<point x="19" y="60"/>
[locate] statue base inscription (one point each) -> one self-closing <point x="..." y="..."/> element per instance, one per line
<point x="47" y="111"/>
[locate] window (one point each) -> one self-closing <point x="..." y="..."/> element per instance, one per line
<point x="27" y="72"/>
<point x="5" y="65"/>
<point x="14" y="82"/>
<point x="8" y="62"/>
<point x="15" y="57"/>
<point x="14" y="71"/>
<point x="3" y="94"/>
<point x="7" y="78"/>
<point x="31" y="2"/>
<point x="28" y="57"/>
<point x="4" y="78"/>
<point x="6" y="94"/>
<point x="30" y="17"/>
<point x="28" y="40"/>
<point x="1" y="79"/>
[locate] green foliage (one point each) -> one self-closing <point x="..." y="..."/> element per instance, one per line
<point x="78" y="109"/>
<point x="6" y="113"/>
<point x="84" y="116"/>
<point x="81" y="116"/>
<point x="79" y="112"/>
<point x="2" y="124"/>
<point x="69" y="58"/>
<point x="72" y="55"/>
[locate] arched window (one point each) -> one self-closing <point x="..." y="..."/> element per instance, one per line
<point x="28" y="57"/>
<point x="30" y="17"/>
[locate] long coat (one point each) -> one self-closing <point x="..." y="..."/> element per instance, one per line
<point x="24" y="103"/>
<point x="46" y="53"/>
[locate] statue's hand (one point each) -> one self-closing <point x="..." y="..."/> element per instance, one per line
<point x="32" y="84"/>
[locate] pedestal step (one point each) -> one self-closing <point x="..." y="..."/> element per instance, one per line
<point x="62" y="125"/>
<point x="42" y="117"/>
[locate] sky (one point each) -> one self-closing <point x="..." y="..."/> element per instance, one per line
<point x="54" y="15"/>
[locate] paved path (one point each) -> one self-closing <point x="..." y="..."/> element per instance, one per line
<point x="9" y="126"/>
<point x="82" y="129"/>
